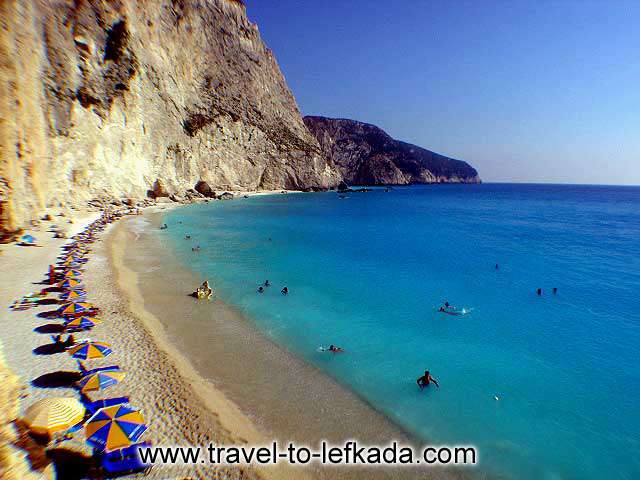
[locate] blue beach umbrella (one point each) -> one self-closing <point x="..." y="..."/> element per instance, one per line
<point x="81" y="323"/>
<point x="27" y="239"/>
<point x="115" y="427"/>
<point x="71" y="295"/>
<point x="100" y="380"/>
<point x="88" y="350"/>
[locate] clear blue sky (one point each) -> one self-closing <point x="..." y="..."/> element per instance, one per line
<point x="534" y="91"/>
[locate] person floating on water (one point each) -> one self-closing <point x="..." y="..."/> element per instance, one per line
<point x="424" y="380"/>
<point x="284" y="291"/>
<point x="449" y="311"/>
<point x="332" y="349"/>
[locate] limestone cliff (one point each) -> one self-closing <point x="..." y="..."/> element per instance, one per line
<point x="104" y="97"/>
<point x="366" y="155"/>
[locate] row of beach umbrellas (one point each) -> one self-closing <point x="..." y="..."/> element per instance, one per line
<point x="109" y="428"/>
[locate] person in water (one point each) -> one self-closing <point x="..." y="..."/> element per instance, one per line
<point x="539" y="291"/>
<point x="267" y="283"/>
<point x="497" y="266"/>
<point x="555" y="290"/>
<point x="334" y="349"/>
<point x="260" y="289"/>
<point x="424" y="380"/>
<point x="284" y="291"/>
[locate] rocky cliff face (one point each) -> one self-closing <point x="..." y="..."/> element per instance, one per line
<point x="103" y="98"/>
<point x="366" y="155"/>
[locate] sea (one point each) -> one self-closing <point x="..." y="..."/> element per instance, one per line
<point x="544" y="386"/>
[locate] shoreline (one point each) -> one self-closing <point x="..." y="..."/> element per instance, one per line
<point x="325" y="398"/>
<point x="183" y="405"/>
<point x="237" y="427"/>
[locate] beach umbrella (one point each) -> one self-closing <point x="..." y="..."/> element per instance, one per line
<point x="72" y="273"/>
<point x="51" y="415"/>
<point x="75" y="309"/>
<point x="73" y="295"/>
<point x="100" y="380"/>
<point x="89" y="350"/>
<point x="27" y="239"/>
<point x="69" y="262"/>
<point x="114" y="427"/>
<point x="69" y="283"/>
<point x="81" y="323"/>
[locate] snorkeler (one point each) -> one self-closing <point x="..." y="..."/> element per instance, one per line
<point x="426" y="379"/>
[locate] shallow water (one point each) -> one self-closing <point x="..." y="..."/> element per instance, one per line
<point x="367" y="273"/>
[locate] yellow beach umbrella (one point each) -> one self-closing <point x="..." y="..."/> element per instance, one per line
<point x="52" y="415"/>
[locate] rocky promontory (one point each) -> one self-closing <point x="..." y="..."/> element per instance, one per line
<point x="366" y="155"/>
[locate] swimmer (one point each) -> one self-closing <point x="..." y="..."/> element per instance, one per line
<point x="267" y="283"/>
<point x="555" y="291"/>
<point x="187" y="237"/>
<point x="332" y="349"/>
<point x="261" y="289"/>
<point x="284" y="291"/>
<point x="539" y="291"/>
<point x="424" y="380"/>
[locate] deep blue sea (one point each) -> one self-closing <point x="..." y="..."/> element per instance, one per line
<point x="368" y="272"/>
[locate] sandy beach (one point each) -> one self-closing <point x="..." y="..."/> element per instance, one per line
<point x="154" y="382"/>
<point x="184" y="402"/>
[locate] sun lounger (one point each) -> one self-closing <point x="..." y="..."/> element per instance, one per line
<point x="85" y="372"/>
<point x="124" y="461"/>
<point x="100" y="369"/>
<point x="93" y="406"/>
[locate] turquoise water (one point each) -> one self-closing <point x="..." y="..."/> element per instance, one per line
<point x="367" y="273"/>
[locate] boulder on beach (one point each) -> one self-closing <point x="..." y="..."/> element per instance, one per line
<point x="203" y="188"/>
<point x="159" y="189"/>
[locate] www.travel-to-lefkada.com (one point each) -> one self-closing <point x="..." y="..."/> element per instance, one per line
<point x="350" y="453"/>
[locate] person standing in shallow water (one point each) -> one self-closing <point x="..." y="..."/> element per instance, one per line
<point x="426" y="379"/>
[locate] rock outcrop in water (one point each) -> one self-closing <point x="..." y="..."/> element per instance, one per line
<point x="365" y="155"/>
<point x="101" y="99"/>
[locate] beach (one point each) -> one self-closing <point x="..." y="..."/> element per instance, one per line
<point x="181" y="406"/>
<point x="164" y="394"/>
